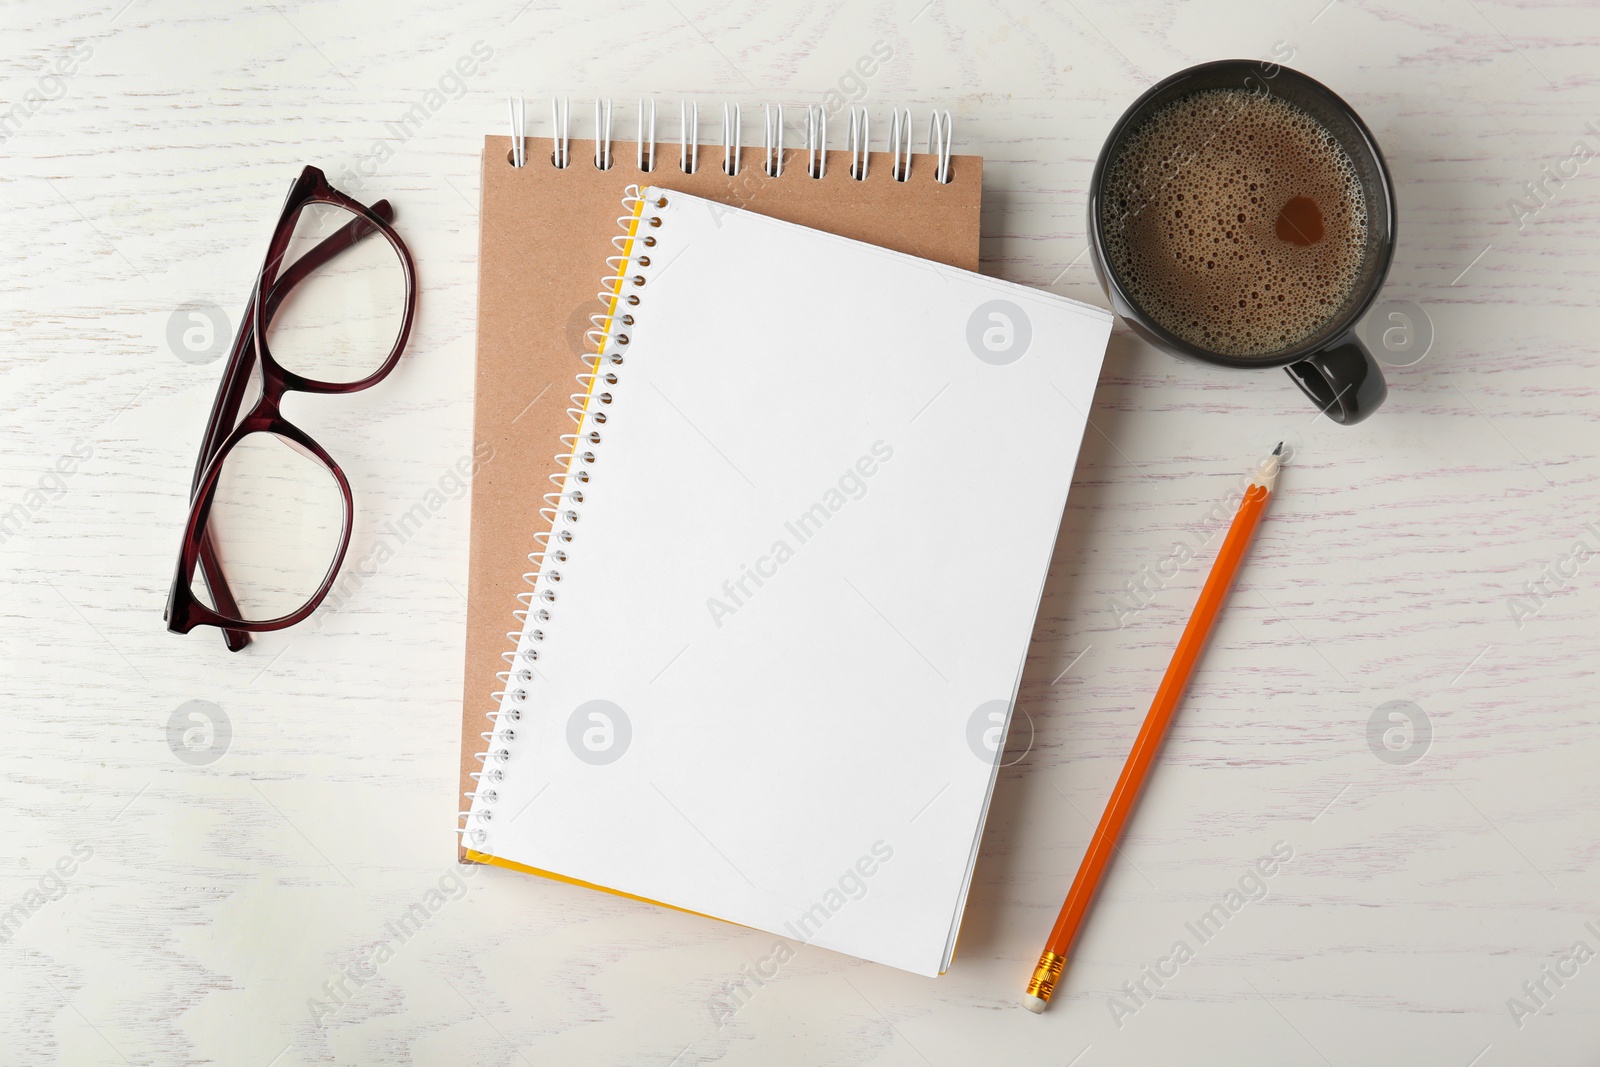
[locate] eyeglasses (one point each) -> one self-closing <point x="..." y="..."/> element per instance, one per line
<point x="266" y="499"/>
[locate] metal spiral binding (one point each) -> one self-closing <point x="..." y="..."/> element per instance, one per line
<point x="899" y="144"/>
<point x="689" y="155"/>
<point x="519" y="131"/>
<point x="939" y="138"/>
<point x="815" y="142"/>
<point x="646" y="162"/>
<point x="859" y="139"/>
<point x="602" y="137"/>
<point x="561" y="119"/>
<point x="772" y="137"/>
<point x="732" y="139"/>
<point x="618" y="295"/>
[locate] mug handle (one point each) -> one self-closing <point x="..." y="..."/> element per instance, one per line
<point x="1343" y="380"/>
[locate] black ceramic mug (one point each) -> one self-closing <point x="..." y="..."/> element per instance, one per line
<point x="1331" y="365"/>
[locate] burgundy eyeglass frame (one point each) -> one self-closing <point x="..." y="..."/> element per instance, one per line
<point x="184" y="610"/>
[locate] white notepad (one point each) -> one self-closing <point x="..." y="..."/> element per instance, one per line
<point x="765" y="677"/>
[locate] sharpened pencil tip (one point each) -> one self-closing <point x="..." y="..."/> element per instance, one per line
<point x="1279" y="450"/>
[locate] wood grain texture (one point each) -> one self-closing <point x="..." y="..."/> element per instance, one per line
<point x="208" y="908"/>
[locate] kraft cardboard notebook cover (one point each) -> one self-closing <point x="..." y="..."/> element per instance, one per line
<point x="545" y="233"/>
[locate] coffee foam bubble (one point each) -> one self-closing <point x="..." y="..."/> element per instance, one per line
<point x="1191" y="206"/>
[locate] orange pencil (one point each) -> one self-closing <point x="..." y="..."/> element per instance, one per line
<point x="1145" y="746"/>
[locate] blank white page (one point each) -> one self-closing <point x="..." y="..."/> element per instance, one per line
<point x="800" y="584"/>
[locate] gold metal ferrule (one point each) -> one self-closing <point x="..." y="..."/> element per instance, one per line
<point x="1043" y="982"/>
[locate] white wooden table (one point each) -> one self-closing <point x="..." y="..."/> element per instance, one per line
<point x="178" y="913"/>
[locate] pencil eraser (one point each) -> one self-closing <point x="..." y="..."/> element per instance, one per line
<point x="1033" y="1003"/>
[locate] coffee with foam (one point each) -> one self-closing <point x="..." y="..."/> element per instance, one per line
<point x="1236" y="221"/>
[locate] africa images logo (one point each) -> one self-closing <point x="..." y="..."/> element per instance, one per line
<point x="198" y="332"/>
<point x="999" y="332"/>
<point x="1399" y="732"/>
<point x="988" y="728"/>
<point x="199" y="732"/>
<point x="599" y="732"/>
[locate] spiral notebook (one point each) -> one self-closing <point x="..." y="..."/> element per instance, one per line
<point x="777" y="623"/>
<point x="544" y="229"/>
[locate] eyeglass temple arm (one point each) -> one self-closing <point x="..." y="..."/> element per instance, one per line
<point x="225" y="412"/>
